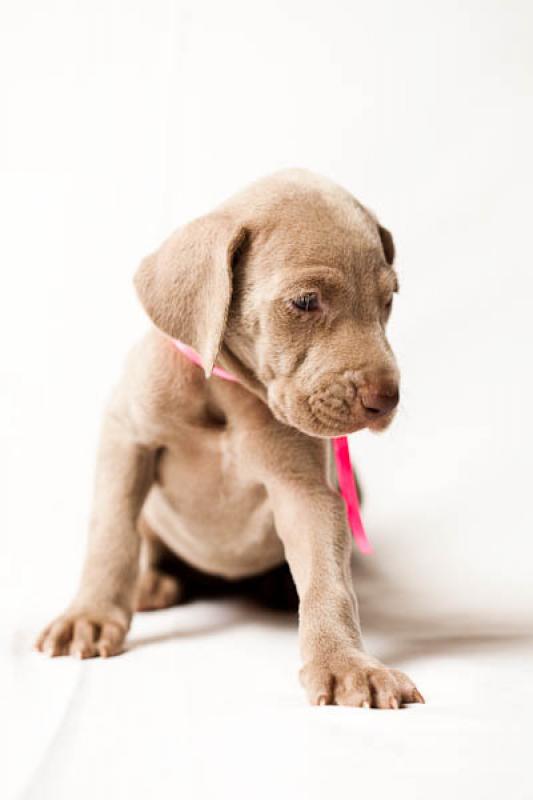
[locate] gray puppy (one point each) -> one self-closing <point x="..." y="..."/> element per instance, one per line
<point x="289" y="287"/>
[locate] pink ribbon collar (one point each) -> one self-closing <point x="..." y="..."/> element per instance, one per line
<point x="341" y="450"/>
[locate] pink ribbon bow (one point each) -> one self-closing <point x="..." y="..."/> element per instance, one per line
<point x="341" y="451"/>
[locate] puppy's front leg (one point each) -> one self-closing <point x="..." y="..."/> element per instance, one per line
<point x="311" y="522"/>
<point x="98" y="619"/>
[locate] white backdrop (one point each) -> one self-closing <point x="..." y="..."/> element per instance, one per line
<point x="122" y="119"/>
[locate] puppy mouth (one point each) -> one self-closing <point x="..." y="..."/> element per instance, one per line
<point x="327" y="414"/>
<point x="334" y="416"/>
<point x="381" y="423"/>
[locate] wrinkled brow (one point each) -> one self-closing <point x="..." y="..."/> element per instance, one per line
<point x="319" y="277"/>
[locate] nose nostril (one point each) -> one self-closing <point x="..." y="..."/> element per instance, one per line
<point x="378" y="403"/>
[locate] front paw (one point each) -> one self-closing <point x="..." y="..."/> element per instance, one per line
<point x="85" y="634"/>
<point x="357" y="680"/>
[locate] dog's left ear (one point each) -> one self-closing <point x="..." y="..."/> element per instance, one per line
<point x="387" y="243"/>
<point x="186" y="285"/>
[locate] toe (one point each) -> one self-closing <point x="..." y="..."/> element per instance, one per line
<point x="353" y="690"/>
<point x="385" y="690"/>
<point x="318" y="684"/>
<point x="83" y="639"/>
<point x="56" y="641"/>
<point x="409" y="692"/>
<point x="110" y="642"/>
<point x="169" y="590"/>
<point x="157" y="590"/>
<point x="39" y="642"/>
<point x="412" y="695"/>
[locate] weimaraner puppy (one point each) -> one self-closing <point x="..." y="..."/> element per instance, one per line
<point x="288" y="286"/>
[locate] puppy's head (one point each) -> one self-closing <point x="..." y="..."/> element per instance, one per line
<point x="294" y="277"/>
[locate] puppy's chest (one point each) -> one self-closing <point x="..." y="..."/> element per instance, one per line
<point x="211" y="461"/>
<point x="208" y="505"/>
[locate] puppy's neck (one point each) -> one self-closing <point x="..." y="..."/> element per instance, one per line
<point x="229" y="361"/>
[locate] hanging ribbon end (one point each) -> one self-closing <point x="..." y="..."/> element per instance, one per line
<point x="364" y="545"/>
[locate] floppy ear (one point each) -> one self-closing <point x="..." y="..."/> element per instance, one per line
<point x="185" y="286"/>
<point x="387" y="243"/>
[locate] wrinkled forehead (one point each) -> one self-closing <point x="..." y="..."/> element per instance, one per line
<point x="307" y="236"/>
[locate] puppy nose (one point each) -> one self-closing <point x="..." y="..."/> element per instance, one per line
<point x="378" y="400"/>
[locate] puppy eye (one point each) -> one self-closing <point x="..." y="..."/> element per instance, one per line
<point x="306" y="302"/>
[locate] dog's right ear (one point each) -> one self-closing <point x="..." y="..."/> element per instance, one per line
<point x="185" y="286"/>
<point x="387" y="242"/>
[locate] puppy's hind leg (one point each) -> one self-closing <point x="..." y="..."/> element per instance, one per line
<point x="158" y="586"/>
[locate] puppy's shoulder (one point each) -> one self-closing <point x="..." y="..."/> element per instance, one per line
<point x="156" y="386"/>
